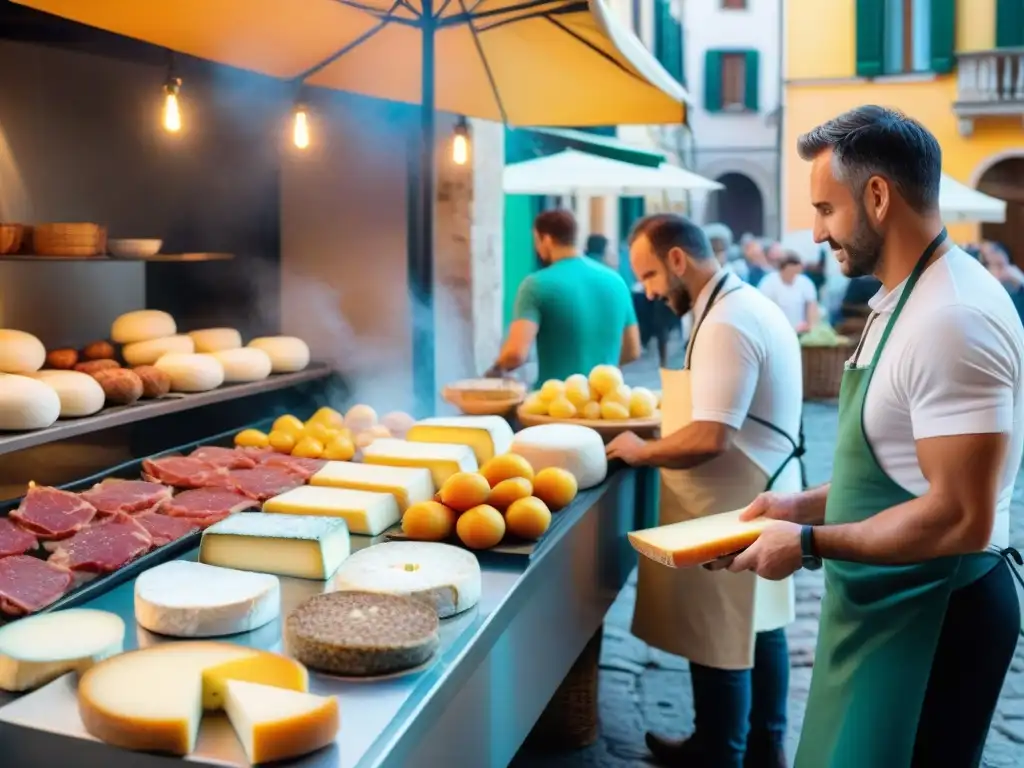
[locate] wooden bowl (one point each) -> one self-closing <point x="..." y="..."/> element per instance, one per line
<point x="11" y="237"/>
<point x="646" y="428"/>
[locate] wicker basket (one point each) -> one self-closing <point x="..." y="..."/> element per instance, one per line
<point x="482" y="397"/>
<point x="11" y="238"/>
<point x="69" y="240"/>
<point x="823" y="370"/>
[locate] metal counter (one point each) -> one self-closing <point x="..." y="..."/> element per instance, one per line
<point x="473" y="704"/>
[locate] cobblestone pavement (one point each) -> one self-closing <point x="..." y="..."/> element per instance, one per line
<point x="644" y="689"/>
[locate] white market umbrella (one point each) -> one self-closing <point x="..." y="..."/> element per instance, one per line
<point x="960" y="203"/>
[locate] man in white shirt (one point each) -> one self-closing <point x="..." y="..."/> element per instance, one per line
<point x="920" y="617"/>
<point x="793" y="292"/>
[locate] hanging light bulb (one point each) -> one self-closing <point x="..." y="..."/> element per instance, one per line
<point x="460" y="142"/>
<point x="300" y="130"/>
<point x="172" y="110"/>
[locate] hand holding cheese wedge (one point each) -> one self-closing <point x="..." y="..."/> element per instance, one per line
<point x="698" y="541"/>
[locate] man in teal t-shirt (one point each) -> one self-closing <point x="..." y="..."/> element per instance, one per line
<point x="579" y="311"/>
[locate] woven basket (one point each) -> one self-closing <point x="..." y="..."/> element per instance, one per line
<point x="481" y="397"/>
<point x="571" y="719"/>
<point x="823" y="370"/>
<point x="69" y="240"/>
<point x="11" y="238"/>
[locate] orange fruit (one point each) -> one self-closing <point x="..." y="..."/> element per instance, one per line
<point x="428" y="521"/>
<point x="555" y="487"/>
<point x="508" y="491"/>
<point x="282" y="441"/>
<point x="481" y="527"/>
<point x="464" y="490"/>
<point x="528" y="518"/>
<point x="506" y="466"/>
<point x="340" y="448"/>
<point x="308" y="448"/>
<point x="288" y="423"/>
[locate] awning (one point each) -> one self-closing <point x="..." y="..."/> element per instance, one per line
<point x="960" y="203"/>
<point x="557" y="139"/>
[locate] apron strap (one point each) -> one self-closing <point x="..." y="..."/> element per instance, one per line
<point x="704" y="314"/>
<point x="799" y="449"/>
<point x="1014" y="562"/>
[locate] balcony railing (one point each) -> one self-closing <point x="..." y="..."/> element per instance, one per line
<point x="989" y="84"/>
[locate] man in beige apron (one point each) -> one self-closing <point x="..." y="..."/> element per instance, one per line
<point x="730" y="420"/>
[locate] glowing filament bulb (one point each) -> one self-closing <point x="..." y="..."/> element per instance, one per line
<point x="460" y="149"/>
<point x="300" y="132"/>
<point x="172" y="111"/>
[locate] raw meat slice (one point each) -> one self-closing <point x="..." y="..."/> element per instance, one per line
<point x="297" y="465"/>
<point x="228" y="458"/>
<point x="264" y="482"/>
<point x="104" y="547"/>
<point x="15" y="540"/>
<point x="130" y="496"/>
<point x="51" y="514"/>
<point x="184" y="472"/>
<point x="163" y="529"/>
<point x="28" y="584"/>
<point x="206" y="502"/>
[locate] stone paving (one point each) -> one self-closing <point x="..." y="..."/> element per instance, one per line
<point x="644" y="689"/>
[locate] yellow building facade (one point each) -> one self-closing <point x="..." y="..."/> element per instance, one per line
<point x="955" y="65"/>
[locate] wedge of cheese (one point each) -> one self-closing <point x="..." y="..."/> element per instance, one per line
<point x="276" y="724"/>
<point x="698" y="541"/>
<point x="442" y="459"/>
<point x="409" y="485"/>
<point x="306" y="547"/>
<point x="488" y="436"/>
<point x="369" y="513"/>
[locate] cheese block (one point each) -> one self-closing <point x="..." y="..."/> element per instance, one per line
<point x="20" y="352"/>
<point x="148" y="352"/>
<point x="369" y="513"/>
<point x="37" y="649"/>
<point x="578" y="450"/>
<point x="191" y="373"/>
<point x="215" y="339"/>
<point x="361" y="634"/>
<point x="26" y="404"/>
<point x="488" y="436"/>
<point x="80" y="394"/>
<point x="187" y="599"/>
<point x="276" y="724"/>
<point x="444" y="577"/>
<point x="263" y="668"/>
<point x="698" y="541"/>
<point x="288" y="354"/>
<point x="142" y="325"/>
<point x="442" y="459"/>
<point x="242" y="365"/>
<point x="409" y="485"/>
<point x="305" y="547"/>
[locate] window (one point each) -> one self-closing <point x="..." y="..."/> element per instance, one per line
<point x="734" y="80"/>
<point x="731" y="81"/>
<point x="902" y="36"/>
<point x="734" y="5"/>
<point x="1009" y="23"/>
<point x="907" y="43"/>
<point x="638" y="24"/>
<point x="668" y="40"/>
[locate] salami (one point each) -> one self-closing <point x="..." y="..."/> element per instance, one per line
<point x="129" y="496"/>
<point x="15" y="540"/>
<point x="51" y="514"/>
<point x="103" y="547"/>
<point x="185" y="472"/>
<point x="228" y="458"/>
<point x="28" y="584"/>
<point x="264" y="482"/>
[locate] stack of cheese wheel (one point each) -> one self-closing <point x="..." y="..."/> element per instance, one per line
<point x="240" y="364"/>
<point x="150" y="337"/>
<point x="25" y="403"/>
<point x="288" y="354"/>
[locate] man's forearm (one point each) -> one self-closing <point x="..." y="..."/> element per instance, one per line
<point x="811" y="505"/>
<point x="693" y="445"/>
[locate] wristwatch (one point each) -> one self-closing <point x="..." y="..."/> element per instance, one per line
<point x="811" y="561"/>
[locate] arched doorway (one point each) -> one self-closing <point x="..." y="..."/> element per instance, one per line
<point x="1005" y="180"/>
<point x="739" y="205"/>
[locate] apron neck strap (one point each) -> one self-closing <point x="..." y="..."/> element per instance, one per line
<point x="707" y="308"/>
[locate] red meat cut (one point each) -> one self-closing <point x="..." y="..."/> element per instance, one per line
<point x="297" y="465"/>
<point x="28" y="584"/>
<point x="51" y="514"/>
<point x="264" y="482"/>
<point x="15" y="540"/>
<point x="163" y="529"/>
<point x="129" y="496"/>
<point x="184" y="472"/>
<point x="103" y="547"/>
<point x="206" y="502"/>
<point x="228" y="458"/>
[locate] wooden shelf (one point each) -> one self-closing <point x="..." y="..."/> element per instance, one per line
<point x="148" y="409"/>
<point x="166" y="258"/>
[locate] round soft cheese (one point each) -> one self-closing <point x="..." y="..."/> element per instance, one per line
<point x="142" y="325"/>
<point x="398" y="423"/>
<point x="191" y="373"/>
<point x="288" y="354"/>
<point x="574" y="448"/>
<point x="360" y="418"/>
<point x="216" y="339"/>
<point x="27" y="404"/>
<point x="188" y="599"/>
<point x="80" y="394"/>
<point x="246" y="364"/>
<point x="148" y="352"/>
<point x="20" y="352"/>
<point x="444" y="577"/>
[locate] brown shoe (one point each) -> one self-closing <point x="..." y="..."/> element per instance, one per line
<point x="675" y="753"/>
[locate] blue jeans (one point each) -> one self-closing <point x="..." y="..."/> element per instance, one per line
<point x="734" y="708"/>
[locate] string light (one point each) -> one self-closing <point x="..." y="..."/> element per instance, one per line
<point x="172" y="109"/>
<point x="300" y="130"/>
<point x="460" y="142"/>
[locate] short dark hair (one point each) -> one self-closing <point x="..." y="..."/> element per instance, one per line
<point x="666" y="231"/>
<point x="559" y="225"/>
<point x="879" y="141"/>
<point x="790" y="258"/>
<point x="596" y="244"/>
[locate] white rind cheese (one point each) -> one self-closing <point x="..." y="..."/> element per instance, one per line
<point x="80" y="394"/>
<point x="409" y="485"/>
<point x="442" y="459"/>
<point x="288" y="354"/>
<point x="20" y="352"/>
<point x="186" y="599"/>
<point x="445" y="577"/>
<point x="148" y="352"/>
<point x="488" y="436"/>
<point x="192" y="373"/>
<point x="360" y="418"/>
<point x="242" y="365"/>
<point x="574" y="448"/>
<point x="216" y="339"/>
<point x="41" y="648"/>
<point x="26" y="404"/>
<point x="368" y="513"/>
<point x="142" y="325"/>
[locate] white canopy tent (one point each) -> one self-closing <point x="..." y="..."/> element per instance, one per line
<point x="960" y="203"/>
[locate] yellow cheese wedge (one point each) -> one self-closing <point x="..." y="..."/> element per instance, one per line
<point x="488" y="436"/>
<point x="275" y="724"/>
<point x="442" y="459"/>
<point x="409" y="485"/>
<point x="368" y="513"/>
<point x="264" y="668"/>
<point x="698" y="541"/>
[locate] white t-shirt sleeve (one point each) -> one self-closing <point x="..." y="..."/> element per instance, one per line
<point x="967" y="386"/>
<point x="724" y="369"/>
<point x="807" y="289"/>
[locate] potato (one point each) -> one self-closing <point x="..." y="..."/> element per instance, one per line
<point x="99" y="350"/>
<point x="62" y="359"/>
<point x="122" y="387"/>
<point x="155" y="383"/>
<point x="92" y="367"/>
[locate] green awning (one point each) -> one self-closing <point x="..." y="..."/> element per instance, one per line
<point x="527" y="143"/>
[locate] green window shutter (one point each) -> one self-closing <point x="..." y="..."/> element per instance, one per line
<point x="713" y="81"/>
<point x="870" y="37"/>
<point x="1009" y="23"/>
<point x="659" y="31"/>
<point x="752" y="78"/>
<point x="682" y="55"/>
<point x="943" y="35"/>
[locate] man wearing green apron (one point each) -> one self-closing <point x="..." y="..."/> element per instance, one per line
<point x="920" y="617"/>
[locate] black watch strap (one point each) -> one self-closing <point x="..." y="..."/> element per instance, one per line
<point x="811" y="561"/>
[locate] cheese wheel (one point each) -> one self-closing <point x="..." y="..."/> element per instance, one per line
<point x="142" y="325"/>
<point x="27" y="404"/>
<point x="288" y="354"/>
<point x="20" y="352"/>
<point x="247" y="364"/>
<point x="80" y="394"/>
<point x="191" y="373"/>
<point x="216" y="339"/>
<point x="148" y="352"/>
<point x="578" y="450"/>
